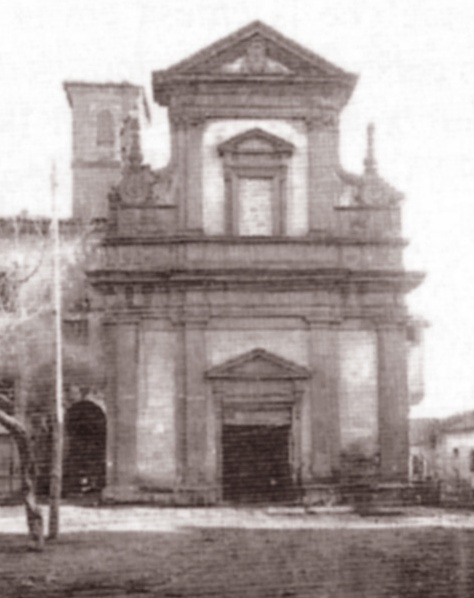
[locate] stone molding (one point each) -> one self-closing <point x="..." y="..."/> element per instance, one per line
<point x="99" y="163"/>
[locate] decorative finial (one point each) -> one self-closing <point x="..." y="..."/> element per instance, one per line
<point x="370" y="162"/>
<point x="131" y="147"/>
<point x="135" y="156"/>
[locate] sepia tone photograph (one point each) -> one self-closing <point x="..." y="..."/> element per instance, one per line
<point x="236" y="293"/>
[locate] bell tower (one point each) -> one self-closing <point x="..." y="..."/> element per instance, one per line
<point x="98" y="112"/>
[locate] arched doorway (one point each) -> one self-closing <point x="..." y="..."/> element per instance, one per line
<point x="85" y="448"/>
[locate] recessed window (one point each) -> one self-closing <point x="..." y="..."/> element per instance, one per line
<point x="255" y="206"/>
<point x="417" y="466"/>
<point x="255" y="173"/>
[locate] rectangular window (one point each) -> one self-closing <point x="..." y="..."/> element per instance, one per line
<point x="255" y="206"/>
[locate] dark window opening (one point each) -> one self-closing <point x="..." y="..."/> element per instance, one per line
<point x="417" y="466"/>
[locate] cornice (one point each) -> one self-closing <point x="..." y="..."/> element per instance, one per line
<point x="100" y="163"/>
<point x="182" y="239"/>
<point x="25" y="226"/>
<point x="259" y="278"/>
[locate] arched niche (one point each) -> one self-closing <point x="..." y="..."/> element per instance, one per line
<point x="85" y="448"/>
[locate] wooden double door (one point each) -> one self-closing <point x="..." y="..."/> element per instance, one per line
<point x="256" y="463"/>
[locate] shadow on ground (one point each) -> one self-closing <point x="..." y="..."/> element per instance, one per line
<point x="230" y="562"/>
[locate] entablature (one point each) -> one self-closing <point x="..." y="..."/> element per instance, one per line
<point x="342" y="281"/>
<point x="240" y="254"/>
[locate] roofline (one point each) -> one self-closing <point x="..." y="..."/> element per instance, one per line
<point x="68" y="85"/>
<point x="455" y="423"/>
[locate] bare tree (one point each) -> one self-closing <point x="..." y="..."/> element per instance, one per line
<point x="27" y="314"/>
<point x="24" y="252"/>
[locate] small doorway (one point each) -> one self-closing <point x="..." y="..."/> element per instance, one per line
<point x="256" y="463"/>
<point x="84" y="466"/>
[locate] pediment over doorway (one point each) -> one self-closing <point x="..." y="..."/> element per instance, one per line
<point x="258" y="365"/>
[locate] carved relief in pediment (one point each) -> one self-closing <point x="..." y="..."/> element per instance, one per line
<point x="255" y="61"/>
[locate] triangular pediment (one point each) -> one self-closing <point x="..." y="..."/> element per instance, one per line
<point x="256" y="50"/>
<point x="259" y="365"/>
<point x="256" y="141"/>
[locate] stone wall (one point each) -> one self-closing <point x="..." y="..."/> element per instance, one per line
<point x="156" y="425"/>
<point x="95" y="161"/>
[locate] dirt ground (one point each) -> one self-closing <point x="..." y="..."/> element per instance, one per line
<point x="224" y="552"/>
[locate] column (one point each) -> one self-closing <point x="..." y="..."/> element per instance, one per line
<point x="393" y="403"/>
<point x="324" y="399"/>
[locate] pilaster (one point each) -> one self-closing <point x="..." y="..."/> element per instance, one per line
<point x="196" y="402"/>
<point x="325" y="434"/>
<point x="322" y="161"/>
<point x="193" y="199"/>
<point x="126" y="403"/>
<point x="393" y="402"/>
<point x="110" y="350"/>
<point x="178" y="133"/>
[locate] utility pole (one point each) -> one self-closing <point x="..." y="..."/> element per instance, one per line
<point x="57" y="415"/>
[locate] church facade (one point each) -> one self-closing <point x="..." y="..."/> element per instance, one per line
<point x="256" y="341"/>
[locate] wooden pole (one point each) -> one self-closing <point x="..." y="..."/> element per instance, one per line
<point x="57" y="416"/>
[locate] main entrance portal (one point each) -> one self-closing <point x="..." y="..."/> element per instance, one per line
<point x="256" y="463"/>
<point x="257" y="405"/>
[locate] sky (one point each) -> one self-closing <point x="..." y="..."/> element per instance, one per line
<point x="415" y="62"/>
